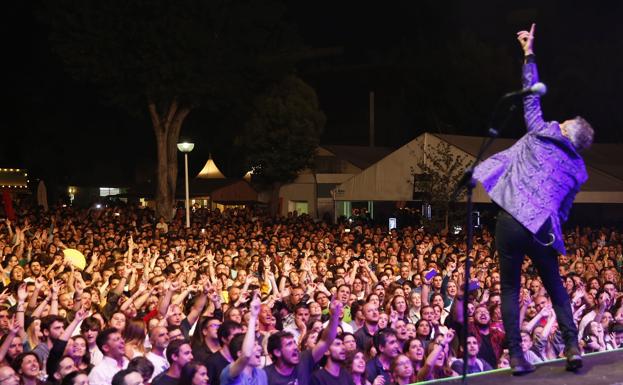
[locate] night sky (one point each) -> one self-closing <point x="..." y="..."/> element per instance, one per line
<point x="64" y="132"/>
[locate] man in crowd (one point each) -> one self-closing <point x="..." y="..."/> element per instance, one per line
<point x="223" y="357"/>
<point x="388" y="348"/>
<point x="289" y="364"/>
<point x="247" y="353"/>
<point x="474" y="364"/>
<point x="179" y="353"/>
<point x="112" y="345"/>
<point x="159" y="339"/>
<point x="333" y="372"/>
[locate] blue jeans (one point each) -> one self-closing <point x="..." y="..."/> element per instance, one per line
<point x="513" y="242"/>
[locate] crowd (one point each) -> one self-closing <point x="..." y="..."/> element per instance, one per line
<point x="243" y="298"/>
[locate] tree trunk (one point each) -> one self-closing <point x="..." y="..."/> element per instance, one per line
<point x="274" y="200"/>
<point x="167" y="129"/>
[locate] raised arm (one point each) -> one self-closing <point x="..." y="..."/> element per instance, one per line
<point x="329" y="333"/>
<point x="249" y="340"/>
<point x="532" y="102"/>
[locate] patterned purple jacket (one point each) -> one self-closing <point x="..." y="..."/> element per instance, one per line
<point x="539" y="176"/>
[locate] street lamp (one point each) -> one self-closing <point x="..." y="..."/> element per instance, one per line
<point x="186" y="147"/>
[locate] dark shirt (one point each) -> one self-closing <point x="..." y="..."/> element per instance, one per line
<point x="165" y="379"/>
<point x="362" y="338"/>
<point x="479" y="366"/>
<point x="374" y="368"/>
<point x="201" y="352"/>
<point x="301" y="375"/>
<point x="185" y="327"/>
<point x="322" y="377"/>
<point x="54" y="358"/>
<point x="215" y="365"/>
<point x="486" y="351"/>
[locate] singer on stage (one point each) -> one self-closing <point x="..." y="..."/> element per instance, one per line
<point x="535" y="182"/>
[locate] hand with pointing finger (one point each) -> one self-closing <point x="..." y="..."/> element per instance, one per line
<point x="526" y="39"/>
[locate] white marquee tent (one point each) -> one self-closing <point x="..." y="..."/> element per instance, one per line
<point x="391" y="178"/>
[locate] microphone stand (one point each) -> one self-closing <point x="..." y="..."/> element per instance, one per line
<point x="467" y="181"/>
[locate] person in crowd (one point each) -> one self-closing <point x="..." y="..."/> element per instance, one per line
<point x="90" y="328"/>
<point x="437" y="364"/>
<point x="289" y="363"/>
<point x="333" y="371"/>
<point x="179" y="353"/>
<point x="247" y="353"/>
<point x="414" y="349"/>
<point x="402" y="370"/>
<point x="388" y="348"/>
<point x="366" y="333"/>
<point x="194" y="373"/>
<point x="223" y="357"/>
<point x="112" y="345"/>
<point x="474" y="364"/>
<point x="143" y="366"/>
<point x="159" y="339"/>
<point x="127" y="377"/>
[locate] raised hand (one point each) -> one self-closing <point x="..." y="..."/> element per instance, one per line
<point x="81" y="314"/>
<point x="379" y="380"/>
<point x="4" y="295"/>
<point x="22" y="293"/>
<point x="526" y="39"/>
<point x="335" y="308"/>
<point x="447" y="338"/>
<point x="56" y="286"/>
<point x="255" y="305"/>
<point x="13" y="325"/>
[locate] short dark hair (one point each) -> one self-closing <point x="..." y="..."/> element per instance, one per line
<point x="300" y="305"/>
<point x="90" y="323"/>
<point x="142" y="365"/>
<point x="70" y="377"/>
<point x="174" y="348"/>
<point x="235" y="345"/>
<point x="119" y="378"/>
<point x="274" y="342"/>
<point x="102" y="337"/>
<point x="356" y="306"/>
<point x="380" y="337"/>
<point x="188" y="372"/>
<point x="225" y="330"/>
<point x="47" y="321"/>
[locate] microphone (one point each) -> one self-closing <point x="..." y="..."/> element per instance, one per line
<point x="537" y="89"/>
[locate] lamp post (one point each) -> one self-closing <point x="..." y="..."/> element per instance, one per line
<point x="186" y="147"/>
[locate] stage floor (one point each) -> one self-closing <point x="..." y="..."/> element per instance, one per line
<point x="605" y="368"/>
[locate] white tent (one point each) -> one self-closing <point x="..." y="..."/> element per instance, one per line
<point x="210" y="171"/>
<point x="391" y="178"/>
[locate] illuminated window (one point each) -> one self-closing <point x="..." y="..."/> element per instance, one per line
<point x="106" y="191"/>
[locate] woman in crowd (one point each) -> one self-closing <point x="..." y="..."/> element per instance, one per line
<point x="78" y="350"/>
<point x="194" y="373"/>
<point x="134" y="336"/>
<point x="437" y="364"/>
<point x="28" y="367"/>
<point x="355" y="364"/>
<point x="402" y="371"/>
<point x="414" y="349"/>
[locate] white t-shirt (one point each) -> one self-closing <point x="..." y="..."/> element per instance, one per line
<point x="160" y="363"/>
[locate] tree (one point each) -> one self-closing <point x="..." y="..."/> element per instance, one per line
<point x="167" y="58"/>
<point x="281" y="137"/>
<point x="436" y="176"/>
